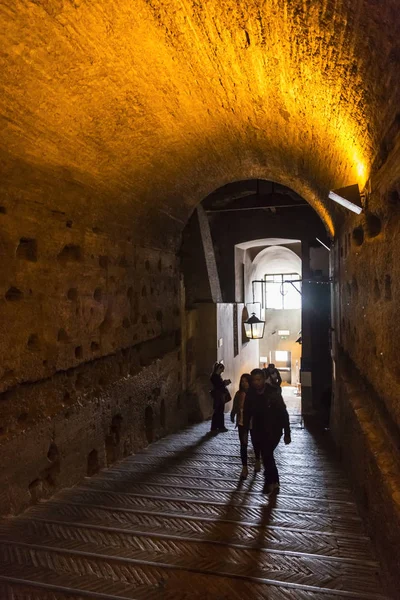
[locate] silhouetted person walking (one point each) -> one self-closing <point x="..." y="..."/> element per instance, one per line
<point x="237" y="412"/>
<point x="265" y="411"/>
<point x="220" y="396"/>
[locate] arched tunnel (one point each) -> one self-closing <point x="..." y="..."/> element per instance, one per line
<point x="160" y="161"/>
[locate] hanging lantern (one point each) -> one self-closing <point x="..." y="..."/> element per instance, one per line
<point x="254" y="328"/>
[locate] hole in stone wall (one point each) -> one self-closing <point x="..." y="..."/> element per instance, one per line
<point x="78" y="352"/>
<point x="162" y="413"/>
<point x="147" y="265"/>
<point x="123" y="262"/>
<point x="33" y="342"/>
<point x="103" y="262"/>
<point x="358" y="236"/>
<point x="13" y="294"/>
<point x="388" y="287"/>
<point x="126" y="323"/>
<point x="53" y="453"/>
<point x="373" y="225"/>
<point x="95" y="347"/>
<point x="116" y="424"/>
<point x="377" y="291"/>
<point x="3" y="210"/>
<point x="97" y="294"/>
<point x="72" y="294"/>
<point x="106" y="325"/>
<point x="68" y="224"/>
<point x="27" y="249"/>
<point x="67" y="397"/>
<point x="144" y="291"/>
<point x="92" y="463"/>
<point x="112" y="441"/>
<point x="159" y="315"/>
<point x="63" y="336"/>
<point x="70" y="253"/>
<point x="160" y="265"/>
<point x="394" y="198"/>
<point x="148" y="423"/>
<point x="144" y="319"/>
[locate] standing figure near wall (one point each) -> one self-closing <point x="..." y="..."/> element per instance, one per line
<point x="237" y="411"/>
<point x="265" y="409"/>
<point x="220" y="396"/>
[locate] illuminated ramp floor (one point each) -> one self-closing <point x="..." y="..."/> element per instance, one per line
<point x="173" y="522"/>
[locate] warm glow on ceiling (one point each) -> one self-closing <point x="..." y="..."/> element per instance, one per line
<point x="172" y="99"/>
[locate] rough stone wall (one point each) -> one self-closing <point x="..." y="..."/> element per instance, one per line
<point x="90" y="340"/>
<point x="367" y="265"/>
<point x="366" y="408"/>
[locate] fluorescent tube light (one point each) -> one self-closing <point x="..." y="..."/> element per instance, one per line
<point x="322" y="244"/>
<point x="346" y="203"/>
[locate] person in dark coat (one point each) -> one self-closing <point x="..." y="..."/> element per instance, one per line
<point x="265" y="410"/>
<point x="220" y="396"/>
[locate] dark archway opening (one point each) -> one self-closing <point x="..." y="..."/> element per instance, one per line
<point x="222" y="238"/>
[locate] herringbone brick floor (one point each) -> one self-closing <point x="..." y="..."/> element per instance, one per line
<point x="173" y="522"/>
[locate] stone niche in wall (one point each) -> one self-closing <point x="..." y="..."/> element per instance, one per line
<point x="89" y="351"/>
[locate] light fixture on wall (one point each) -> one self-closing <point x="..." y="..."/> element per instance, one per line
<point x="254" y="328"/>
<point x="349" y="197"/>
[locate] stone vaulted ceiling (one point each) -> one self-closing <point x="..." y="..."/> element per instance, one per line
<point x="142" y="108"/>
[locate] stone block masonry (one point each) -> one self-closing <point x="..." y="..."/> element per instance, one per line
<point x="89" y="350"/>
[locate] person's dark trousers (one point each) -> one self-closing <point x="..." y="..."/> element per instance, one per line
<point x="243" y="438"/>
<point x="271" y="474"/>
<point x="218" y="418"/>
<point x="256" y="445"/>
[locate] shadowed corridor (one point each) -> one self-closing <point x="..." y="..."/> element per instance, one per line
<point x="173" y="522"/>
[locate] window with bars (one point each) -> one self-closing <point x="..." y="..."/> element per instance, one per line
<point x="280" y="294"/>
